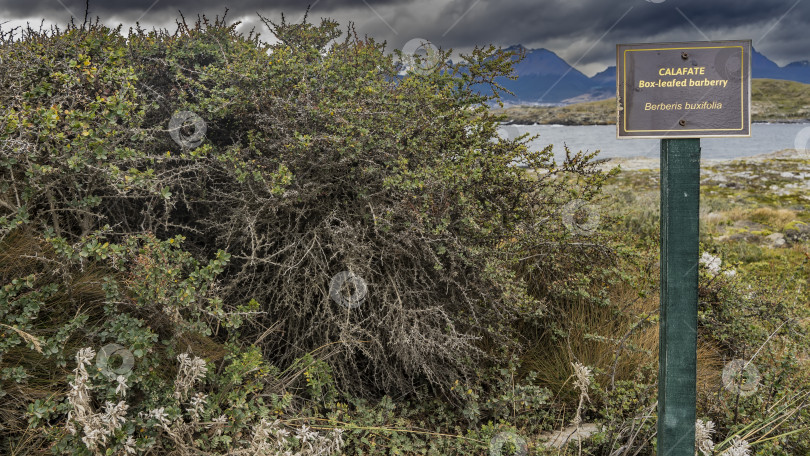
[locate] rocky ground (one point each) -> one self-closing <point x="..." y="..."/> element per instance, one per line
<point x="762" y="200"/>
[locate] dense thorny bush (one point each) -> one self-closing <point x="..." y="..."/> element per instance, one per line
<point x="314" y="161"/>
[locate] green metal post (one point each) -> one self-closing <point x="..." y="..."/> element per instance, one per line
<point x="677" y="352"/>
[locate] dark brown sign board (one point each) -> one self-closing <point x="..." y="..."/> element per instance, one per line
<point x="684" y="90"/>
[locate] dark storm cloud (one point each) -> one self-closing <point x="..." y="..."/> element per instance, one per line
<point x="583" y="31"/>
<point x="599" y="25"/>
<point x="29" y="8"/>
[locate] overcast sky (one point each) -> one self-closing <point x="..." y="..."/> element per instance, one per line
<point x="583" y="32"/>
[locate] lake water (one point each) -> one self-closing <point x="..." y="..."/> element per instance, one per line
<point x="765" y="138"/>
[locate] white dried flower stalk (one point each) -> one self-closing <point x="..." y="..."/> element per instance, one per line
<point x="96" y="427"/>
<point x="703" y="437"/>
<point x="269" y="438"/>
<point x="337" y="439"/>
<point x="190" y="371"/>
<point x="121" y="388"/>
<point x="197" y="406"/>
<point x="582" y="382"/>
<point x="93" y="438"/>
<point x="261" y="437"/>
<point x="305" y="434"/>
<point x="328" y="444"/>
<point x="79" y="395"/>
<point x="218" y="424"/>
<point x="84" y="357"/>
<point x="739" y="447"/>
<point x="281" y="437"/>
<point x="129" y="446"/>
<point x="114" y="415"/>
<point x="160" y="415"/>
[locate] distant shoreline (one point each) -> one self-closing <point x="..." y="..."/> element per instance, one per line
<point x="639" y="163"/>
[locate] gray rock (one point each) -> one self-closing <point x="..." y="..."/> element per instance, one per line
<point x="750" y="226"/>
<point x="560" y="438"/>
<point x="776" y="240"/>
<point x="797" y="232"/>
<point x="745" y="236"/>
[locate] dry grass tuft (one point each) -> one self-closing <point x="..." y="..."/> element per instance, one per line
<point x="776" y="219"/>
<point x="617" y="344"/>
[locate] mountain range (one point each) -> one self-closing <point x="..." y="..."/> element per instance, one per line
<point x="545" y="78"/>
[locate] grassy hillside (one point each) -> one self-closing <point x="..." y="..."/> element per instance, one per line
<point x="772" y="101"/>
